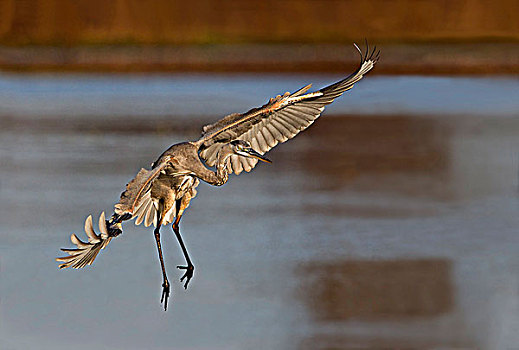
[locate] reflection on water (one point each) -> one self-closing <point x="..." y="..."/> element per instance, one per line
<point x="372" y="293"/>
<point x="377" y="146"/>
<point x="367" y="232"/>
<point x="377" y="290"/>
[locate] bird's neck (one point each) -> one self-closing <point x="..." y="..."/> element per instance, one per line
<point x="222" y="173"/>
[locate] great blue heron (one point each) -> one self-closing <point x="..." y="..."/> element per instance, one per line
<point x="235" y="143"/>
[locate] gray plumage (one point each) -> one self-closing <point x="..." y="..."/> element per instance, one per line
<point x="233" y="144"/>
<point x="280" y="119"/>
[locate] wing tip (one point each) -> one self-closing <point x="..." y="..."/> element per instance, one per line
<point x="84" y="253"/>
<point x="372" y="55"/>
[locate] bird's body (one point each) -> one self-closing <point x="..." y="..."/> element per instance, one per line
<point x="233" y="144"/>
<point x="176" y="180"/>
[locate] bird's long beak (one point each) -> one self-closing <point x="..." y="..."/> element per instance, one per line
<point x="252" y="153"/>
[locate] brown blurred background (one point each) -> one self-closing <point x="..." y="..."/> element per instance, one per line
<point x="472" y="36"/>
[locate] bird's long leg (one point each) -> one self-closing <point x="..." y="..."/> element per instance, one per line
<point x="190" y="268"/>
<point x="165" y="284"/>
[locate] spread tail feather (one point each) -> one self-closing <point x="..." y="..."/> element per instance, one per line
<point x="86" y="252"/>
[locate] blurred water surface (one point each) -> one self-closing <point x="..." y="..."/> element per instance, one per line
<point x="391" y="223"/>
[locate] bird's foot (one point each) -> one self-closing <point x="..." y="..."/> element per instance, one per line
<point x="188" y="275"/>
<point x="165" y="294"/>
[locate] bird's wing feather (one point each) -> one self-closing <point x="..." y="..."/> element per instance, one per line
<point x="279" y="120"/>
<point x="86" y="252"/>
<point x="136" y="190"/>
<point x="142" y="194"/>
<point x="170" y="187"/>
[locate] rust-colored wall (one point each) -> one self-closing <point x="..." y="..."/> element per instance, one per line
<point x="212" y="21"/>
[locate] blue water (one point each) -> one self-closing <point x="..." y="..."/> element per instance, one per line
<point x="392" y="226"/>
<point x="214" y="95"/>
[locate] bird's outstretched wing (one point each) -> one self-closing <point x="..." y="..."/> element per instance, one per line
<point x="280" y="119"/>
<point x="135" y="202"/>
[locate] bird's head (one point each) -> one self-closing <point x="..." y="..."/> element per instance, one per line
<point x="243" y="148"/>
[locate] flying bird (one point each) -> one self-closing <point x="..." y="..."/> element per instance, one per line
<point x="160" y="195"/>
